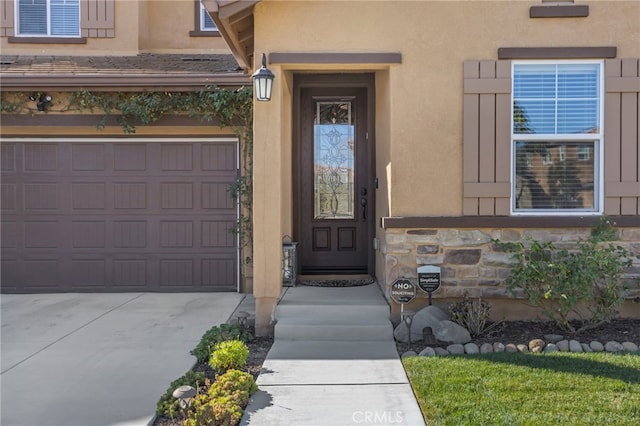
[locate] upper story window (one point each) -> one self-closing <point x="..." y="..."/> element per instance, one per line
<point x="557" y="137"/>
<point x="206" y="23"/>
<point x="54" y="18"/>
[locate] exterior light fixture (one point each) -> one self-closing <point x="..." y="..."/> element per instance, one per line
<point x="43" y="100"/>
<point x="263" y="81"/>
<point x="289" y="262"/>
<point x="184" y="394"/>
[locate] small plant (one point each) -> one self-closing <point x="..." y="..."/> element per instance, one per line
<point x="472" y="315"/>
<point x="219" y="411"/>
<point x="168" y="406"/>
<point x="229" y="354"/>
<point x="215" y="335"/>
<point x="559" y="280"/>
<point x="238" y="384"/>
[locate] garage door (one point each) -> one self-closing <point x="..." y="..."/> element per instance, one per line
<point x="118" y="215"/>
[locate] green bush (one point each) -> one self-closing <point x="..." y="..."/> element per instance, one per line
<point x="559" y="280"/>
<point x="235" y="383"/>
<point x="168" y="406"/>
<point x="219" y="411"/>
<point x="223" y="403"/>
<point x="229" y="354"/>
<point x="215" y="335"/>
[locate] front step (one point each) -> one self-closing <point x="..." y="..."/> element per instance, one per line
<point x="367" y="328"/>
<point x="327" y="309"/>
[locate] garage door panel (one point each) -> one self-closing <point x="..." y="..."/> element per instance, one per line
<point x="121" y="216"/>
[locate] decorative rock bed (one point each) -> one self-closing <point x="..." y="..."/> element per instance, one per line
<point x="550" y="344"/>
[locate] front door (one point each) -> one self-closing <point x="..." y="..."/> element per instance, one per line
<point x="333" y="191"/>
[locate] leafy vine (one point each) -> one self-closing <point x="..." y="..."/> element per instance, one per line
<point x="228" y="108"/>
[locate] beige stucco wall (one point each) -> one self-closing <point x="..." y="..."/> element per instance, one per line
<point x="141" y="26"/>
<point x="419" y="102"/>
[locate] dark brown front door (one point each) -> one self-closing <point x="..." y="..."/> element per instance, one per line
<point x="334" y="196"/>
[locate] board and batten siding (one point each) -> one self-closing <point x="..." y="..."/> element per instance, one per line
<point x="621" y="139"/>
<point x="97" y="18"/>
<point x="486" y="137"/>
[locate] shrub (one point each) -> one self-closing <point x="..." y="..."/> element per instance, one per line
<point x="235" y="383"/>
<point x="215" y="335"/>
<point x="219" y="411"/>
<point x="229" y="354"/>
<point x="168" y="406"/>
<point x="472" y="315"/>
<point x="558" y="280"/>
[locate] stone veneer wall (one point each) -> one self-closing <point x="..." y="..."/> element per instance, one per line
<point x="471" y="263"/>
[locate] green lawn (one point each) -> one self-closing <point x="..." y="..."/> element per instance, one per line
<point x="527" y="389"/>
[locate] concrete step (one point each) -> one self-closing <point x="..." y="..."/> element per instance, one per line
<point x="332" y="310"/>
<point x="337" y="329"/>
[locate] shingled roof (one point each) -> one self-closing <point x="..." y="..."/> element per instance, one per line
<point x="158" y="71"/>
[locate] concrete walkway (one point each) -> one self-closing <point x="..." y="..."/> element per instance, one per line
<point x="98" y="359"/>
<point x="333" y="362"/>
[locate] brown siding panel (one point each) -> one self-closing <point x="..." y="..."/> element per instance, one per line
<point x="97" y="18"/>
<point x="6" y="18"/>
<point x="486" y="137"/>
<point x="622" y="151"/>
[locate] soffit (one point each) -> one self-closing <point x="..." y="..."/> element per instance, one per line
<point x="234" y="19"/>
<point x="160" y="71"/>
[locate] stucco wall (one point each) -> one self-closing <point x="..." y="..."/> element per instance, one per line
<point x="141" y="26"/>
<point x="419" y="102"/>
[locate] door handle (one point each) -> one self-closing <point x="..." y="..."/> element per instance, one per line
<point x="363" y="203"/>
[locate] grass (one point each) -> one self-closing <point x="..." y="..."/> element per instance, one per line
<point x="527" y="389"/>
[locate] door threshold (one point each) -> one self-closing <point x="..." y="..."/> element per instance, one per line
<point x="333" y="277"/>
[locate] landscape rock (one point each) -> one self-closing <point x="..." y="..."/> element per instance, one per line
<point x="441" y="351"/>
<point x="522" y="348"/>
<point x="536" y="345"/>
<point x="586" y="348"/>
<point x="510" y="348"/>
<point x="428" y="351"/>
<point x="498" y="347"/>
<point x="629" y="347"/>
<point x="613" y="347"/>
<point x="450" y="332"/>
<point x="486" y="348"/>
<point x="456" y="349"/>
<point x="426" y="317"/>
<point x="596" y="346"/>
<point x="471" y="349"/>
<point x="563" y="345"/>
<point x="553" y="338"/>
<point x="551" y="347"/>
<point x="575" y="346"/>
<point x="409" y="354"/>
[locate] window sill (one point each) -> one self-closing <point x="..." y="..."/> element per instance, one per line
<point x="569" y="11"/>
<point x="198" y="33"/>
<point x="48" y="40"/>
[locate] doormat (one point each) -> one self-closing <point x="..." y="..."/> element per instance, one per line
<point x="337" y="282"/>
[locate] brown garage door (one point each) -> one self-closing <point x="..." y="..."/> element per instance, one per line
<point x="118" y="215"/>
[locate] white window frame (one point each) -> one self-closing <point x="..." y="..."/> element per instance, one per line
<point x="203" y="14"/>
<point x="597" y="139"/>
<point x="16" y="9"/>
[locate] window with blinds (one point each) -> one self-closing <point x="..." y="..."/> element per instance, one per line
<point x="206" y="23"/>
<point x="56" y="18"/>
<point x="556" y="137"/>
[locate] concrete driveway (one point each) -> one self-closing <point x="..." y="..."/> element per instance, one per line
<point x="98" y="359"/>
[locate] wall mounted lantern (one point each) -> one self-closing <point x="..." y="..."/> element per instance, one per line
<point x="263" y="81"/>
<point x="289" y="262"/>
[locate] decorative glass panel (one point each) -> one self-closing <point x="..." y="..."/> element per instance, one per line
<point x="334" y="159"/>
<point x="555" y="175"/>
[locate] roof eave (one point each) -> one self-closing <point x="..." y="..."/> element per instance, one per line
<point x="68" y="82"/>
<point x="234" y="19"/>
